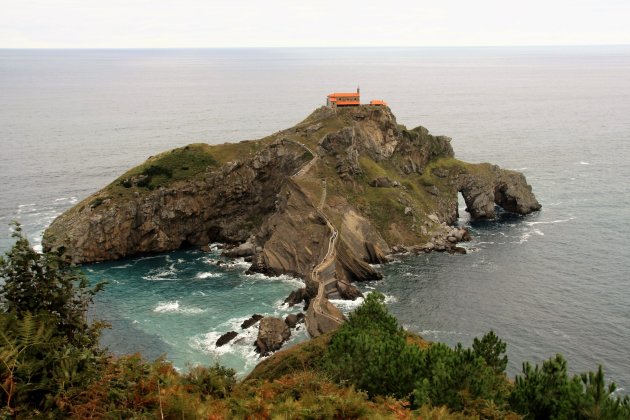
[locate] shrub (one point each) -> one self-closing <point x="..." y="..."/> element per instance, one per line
<point x="154" y="170"/>
<point x="48" y="349"/>
<point x="216" y="381"/>
<point x="548" y="392"/>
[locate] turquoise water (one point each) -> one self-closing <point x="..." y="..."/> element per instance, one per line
<point x="180" y="303"/>
<point x="554" y="281"/>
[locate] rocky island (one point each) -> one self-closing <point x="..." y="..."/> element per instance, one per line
<point x="322" y="200"/>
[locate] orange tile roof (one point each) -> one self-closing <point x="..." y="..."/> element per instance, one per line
<point x="343" y="94"/>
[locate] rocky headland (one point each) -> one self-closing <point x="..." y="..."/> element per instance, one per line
<point x="323" y="200"/>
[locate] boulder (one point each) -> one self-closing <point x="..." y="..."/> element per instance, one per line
<point x="293" y="319"/>
<point x="296" y="296"/>
<point x="272" y="333"/>
<point x="245" y="249"/>
<point x="226" y="338"/>
<point x="251" y="321"/>
<point x="347" y="291"/>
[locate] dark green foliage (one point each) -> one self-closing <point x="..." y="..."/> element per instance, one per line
<point x="143" y="181"/>
<point x="215" y="381"/>
<point x="47" y="347"/>
<point x="370" y="351"/>
<point x="549" y="393"/>
<point x="96" y="202"/>
<point x="457" y="378"/>
<point x="492" y="350"/>
<point x="307" y="155"/>
<point x="154" y="170"/>
<point x="44" y="284"/>
<point x="126" y="183"/>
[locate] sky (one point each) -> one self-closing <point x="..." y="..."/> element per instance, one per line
<point x="307" y="23"/>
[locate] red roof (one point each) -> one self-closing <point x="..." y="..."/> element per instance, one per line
<point x="343" y="94"/>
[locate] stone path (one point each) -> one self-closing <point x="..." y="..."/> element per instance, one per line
<point x="320" y="305"/>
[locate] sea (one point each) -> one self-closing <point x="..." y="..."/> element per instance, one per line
<point x="556" y="281"/>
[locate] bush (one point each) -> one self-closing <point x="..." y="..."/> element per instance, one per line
<point x="155" y="170"/>
<point x="548" y="392"/>
<point x="371" y="352"/>
<point x="216" y="381"/>
<point x="48" y="349"/>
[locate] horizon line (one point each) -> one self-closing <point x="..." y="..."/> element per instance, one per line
<point x="322" y="47"/>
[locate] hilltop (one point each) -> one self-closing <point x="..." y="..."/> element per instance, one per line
<point x="321" y="200"/>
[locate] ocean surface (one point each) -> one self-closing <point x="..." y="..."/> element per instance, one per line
<point x="556" y="281"/>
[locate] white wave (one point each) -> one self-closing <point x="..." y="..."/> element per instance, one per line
<point x="73" y="200"/>
<point x="538" y="232"/>
<point x="550" y="222"/>
<point x="241" y="346"/>
<point x="438" y="332"/>
<point x="122" y="267"/>
<point x="584" y="163"/>
<point x="61" y="199"/>
<point x="162" y="274"/>
<point x="390" y="299"/>
<point x="26" y="205"/>
<point x="167" y="307"/>
<point x="237" y="263"/>
<point x="38" y="248"/>
<point x="347" y="306"/>
<point x="283" y="278"/>
<point x="207" y="275"/>
<point x="174" y="307"/>
<point x="199" y="293"/>
<point x="524" y="238"/>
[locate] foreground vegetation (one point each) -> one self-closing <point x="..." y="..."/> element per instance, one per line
<point x="52" y="367"/>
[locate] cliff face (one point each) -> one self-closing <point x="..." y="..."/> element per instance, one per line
<point x="222" y="205"/>
<point x="322" y="200"/>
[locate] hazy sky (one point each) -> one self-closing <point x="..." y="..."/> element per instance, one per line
<point x="284" y="23"/>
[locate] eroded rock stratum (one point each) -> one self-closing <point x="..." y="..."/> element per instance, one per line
<point x="321" y="200"/>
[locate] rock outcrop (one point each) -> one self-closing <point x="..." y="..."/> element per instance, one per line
<point x="251" y="321"/>
<point x="226" y="338"/>
<point x="222" y="205"/>
<point x="272" y="333"/>
<point x="346" y="187"/>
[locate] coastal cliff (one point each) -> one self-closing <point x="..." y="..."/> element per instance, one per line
<point x="322" y="200"/>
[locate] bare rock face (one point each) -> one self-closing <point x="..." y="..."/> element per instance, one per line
<point x="494" y="185"/>
<point x="272" y="333"/>
<point x="226" y="338"/>
<point x="251" y="321"/>
<point x="323" y="201"/>
<point x="293" y="319"/>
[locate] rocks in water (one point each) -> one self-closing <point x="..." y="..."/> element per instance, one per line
<point x="293" y="319"/>
<point x="374" y="254"/>
<point x="347" y="291"/>
<point x="457" y="250"/>
<point x="226" y="338"/>
<point x="502" y="187"/>
<point x="251" y="321"/>
<point x="272" y="333"/>
<point x="297" y="296"/>
<point x="244" y="250"/>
